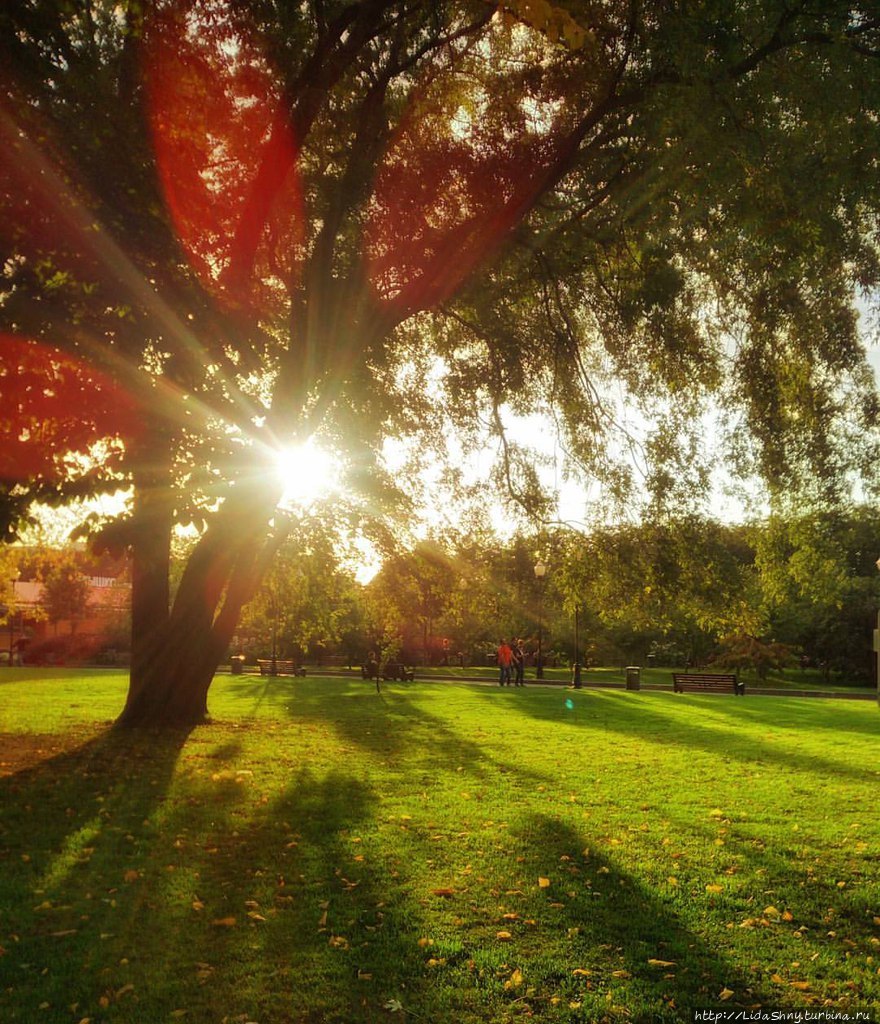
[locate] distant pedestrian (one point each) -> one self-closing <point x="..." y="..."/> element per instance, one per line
<point x="505" y="661"/>
<point x="519" y="663"/>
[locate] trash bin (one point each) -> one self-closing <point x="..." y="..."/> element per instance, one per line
<point x="237" y="664"/>
<point x="633" y="677"/>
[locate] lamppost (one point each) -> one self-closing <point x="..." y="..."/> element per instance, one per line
<point x="540" y="573"/>
<point x="273" y="611"/>
<point x="576" y="668"/>
<point x="876" y="646"/>
<point x="13" y="580"/>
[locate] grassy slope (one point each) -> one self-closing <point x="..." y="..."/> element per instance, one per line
<point x="326" y="854"/>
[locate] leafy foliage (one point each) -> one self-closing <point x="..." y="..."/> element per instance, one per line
<point x="256" y="219"/>
<point x="65" y="590"/>
<point x="306" y="601"/>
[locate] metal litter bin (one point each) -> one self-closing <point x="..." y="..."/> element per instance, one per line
<point x="633" y="677"/>
<point x="236" y="664"/>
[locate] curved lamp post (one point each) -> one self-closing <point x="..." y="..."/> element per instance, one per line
<point x="576" y="665"/>
<point x="13" y="580"/>
<point x="876" y="646"/>
<point x="540" y="573"/>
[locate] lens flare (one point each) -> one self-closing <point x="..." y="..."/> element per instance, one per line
<point x="61" y="416"/>
<point x="226" y="154"/>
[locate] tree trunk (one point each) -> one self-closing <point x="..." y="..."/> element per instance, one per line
<point x="151" y="560"/>
<point x="178" y="658"/>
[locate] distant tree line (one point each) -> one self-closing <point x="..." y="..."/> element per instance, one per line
<point x="788" y="590"/>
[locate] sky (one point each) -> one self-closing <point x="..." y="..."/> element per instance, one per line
<point x="577" y="504"/>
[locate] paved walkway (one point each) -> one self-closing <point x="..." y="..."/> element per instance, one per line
<point x="751" y="691"/>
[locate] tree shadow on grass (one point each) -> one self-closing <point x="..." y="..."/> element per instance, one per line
<point x="73" y="829"/>
<point x="306" y="902"/>
<point x="639" y="715"/>
<point x="389" y="726"/>
<point x="791" y="712"/>
<point x="384" y="936"/>
<point x="799" y="904"/>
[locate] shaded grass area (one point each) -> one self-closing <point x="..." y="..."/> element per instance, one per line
<point x="323" y="853"/>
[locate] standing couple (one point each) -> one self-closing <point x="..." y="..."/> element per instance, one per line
<point x="511" y="663"/>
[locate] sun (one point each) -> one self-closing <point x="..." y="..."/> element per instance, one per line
<point x="308" y="473"/>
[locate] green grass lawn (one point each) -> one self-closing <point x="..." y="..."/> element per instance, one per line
<point x="439" y="852"/>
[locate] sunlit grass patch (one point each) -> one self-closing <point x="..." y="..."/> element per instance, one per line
<point x="438" y="851"/>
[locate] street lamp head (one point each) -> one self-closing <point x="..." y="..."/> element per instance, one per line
<point x="540" y="570"/>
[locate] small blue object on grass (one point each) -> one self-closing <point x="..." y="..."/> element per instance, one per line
<point x="569" y="704"/>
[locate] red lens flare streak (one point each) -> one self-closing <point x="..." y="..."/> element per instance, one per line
<point x="56" y="408"/>
<point x="226" y="155"/>
<point x="455" y="181"/>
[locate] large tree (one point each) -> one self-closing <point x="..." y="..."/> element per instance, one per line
<point x="239" y="223"/>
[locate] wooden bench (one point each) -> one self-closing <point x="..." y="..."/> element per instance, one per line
<point x="283" y="667"/>
<point x="397" y="670"/>
<point x="392" y="670"/>
<point x="705" y="682"/>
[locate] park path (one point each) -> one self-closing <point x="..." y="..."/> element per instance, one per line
<point x="752" y="691"/>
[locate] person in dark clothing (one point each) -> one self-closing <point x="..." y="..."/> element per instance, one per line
<point x="519" y="663"/>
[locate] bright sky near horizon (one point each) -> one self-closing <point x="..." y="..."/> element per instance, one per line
<point x="312" y="475"/>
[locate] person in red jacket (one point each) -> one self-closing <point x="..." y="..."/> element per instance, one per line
<point x="505" y="660"/>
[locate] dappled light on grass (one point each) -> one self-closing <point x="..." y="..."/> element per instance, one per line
<point x="446" y="852"/>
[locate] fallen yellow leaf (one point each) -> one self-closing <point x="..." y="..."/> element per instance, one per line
<point x="725" y="994"/>
<point x="661" y="963"/>
<point x="224" y="922"/>
<point x="580" y="972"/>
<point x="544" y="883"/>
<point x="714" y="888"/>
<point x="515" y="980"/>
<point x="620" y="974"/>
<point x="503" y="936"/>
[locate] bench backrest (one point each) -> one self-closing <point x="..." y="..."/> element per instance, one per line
<point x="703" y="677"/>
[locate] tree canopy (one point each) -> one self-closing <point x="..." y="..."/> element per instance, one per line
<point x="241" y="223"/>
